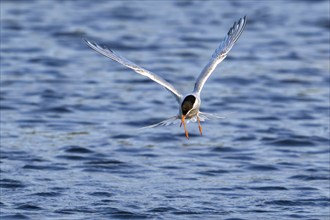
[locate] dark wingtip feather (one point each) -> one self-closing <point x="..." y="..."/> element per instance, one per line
<point x="85" y="40"/>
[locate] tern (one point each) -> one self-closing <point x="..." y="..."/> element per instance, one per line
<point x="189" y="104"/>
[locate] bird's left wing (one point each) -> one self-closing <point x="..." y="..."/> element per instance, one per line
<point x="122" y="60"/>
<point x="166" y="122"/>
<point x="220" y="53"/>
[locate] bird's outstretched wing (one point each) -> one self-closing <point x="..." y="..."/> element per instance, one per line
<point x="203" y="116"/>
<point x="122" y="60"/>
<point x="220" y="53"/>
<point x="166" y="122"/>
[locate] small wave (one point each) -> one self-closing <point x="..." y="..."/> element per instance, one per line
<point x="76" y="149"/>
<point x="47" y="194"/>
<point x="10" y="183"/>
<point x="29" y="207"/>
<point x="15" y="216"/>
<point x="291" y="142"/>
<point x="310" y="177"/>
<point x="44" y="167"/>
<point x="269" y="188"/>
<point x="258" y="167"/>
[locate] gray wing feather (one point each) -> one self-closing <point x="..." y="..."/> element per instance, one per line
<point x="166" y="122"/>
<point x="220" y="53"/>
<point x="203" y="116"/>
<point x="122" y="60"/>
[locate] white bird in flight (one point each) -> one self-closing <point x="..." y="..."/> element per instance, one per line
<point x="188" y="104"/>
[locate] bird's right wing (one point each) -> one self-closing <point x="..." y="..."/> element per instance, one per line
<point x="122" y="60"/>
<point x="220" y="53"/>
<point x="203" y="116"/>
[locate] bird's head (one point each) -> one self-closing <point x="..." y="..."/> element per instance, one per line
<point x="187" y="105"/>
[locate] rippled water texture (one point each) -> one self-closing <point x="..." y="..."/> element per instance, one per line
<point x="70" y="143"/>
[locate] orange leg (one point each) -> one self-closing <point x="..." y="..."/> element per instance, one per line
<point x="184" y="126"/>
<point x="185" y="130"/>
<point x="199" y="126"/>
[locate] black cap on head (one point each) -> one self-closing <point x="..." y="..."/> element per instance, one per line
<point x="187" y="104"/>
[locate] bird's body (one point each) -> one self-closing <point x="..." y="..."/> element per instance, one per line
<point x="189" y="105"/>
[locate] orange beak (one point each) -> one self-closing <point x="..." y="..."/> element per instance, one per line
<point x="184" y="125"/>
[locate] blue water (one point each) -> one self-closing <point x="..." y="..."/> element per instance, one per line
<point x="70" y="143"/>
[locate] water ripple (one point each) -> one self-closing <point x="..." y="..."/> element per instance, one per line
<point x="71" y="147"/>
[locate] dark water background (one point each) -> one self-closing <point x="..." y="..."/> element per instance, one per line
<point x="70" y="148"/>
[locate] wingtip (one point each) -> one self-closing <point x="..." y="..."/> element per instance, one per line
<point x="244" y="19"/>
<point x="91" y="44"/>
<point x="87" y="42"/>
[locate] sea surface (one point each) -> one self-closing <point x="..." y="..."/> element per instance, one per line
<point x="71" y="143"/>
